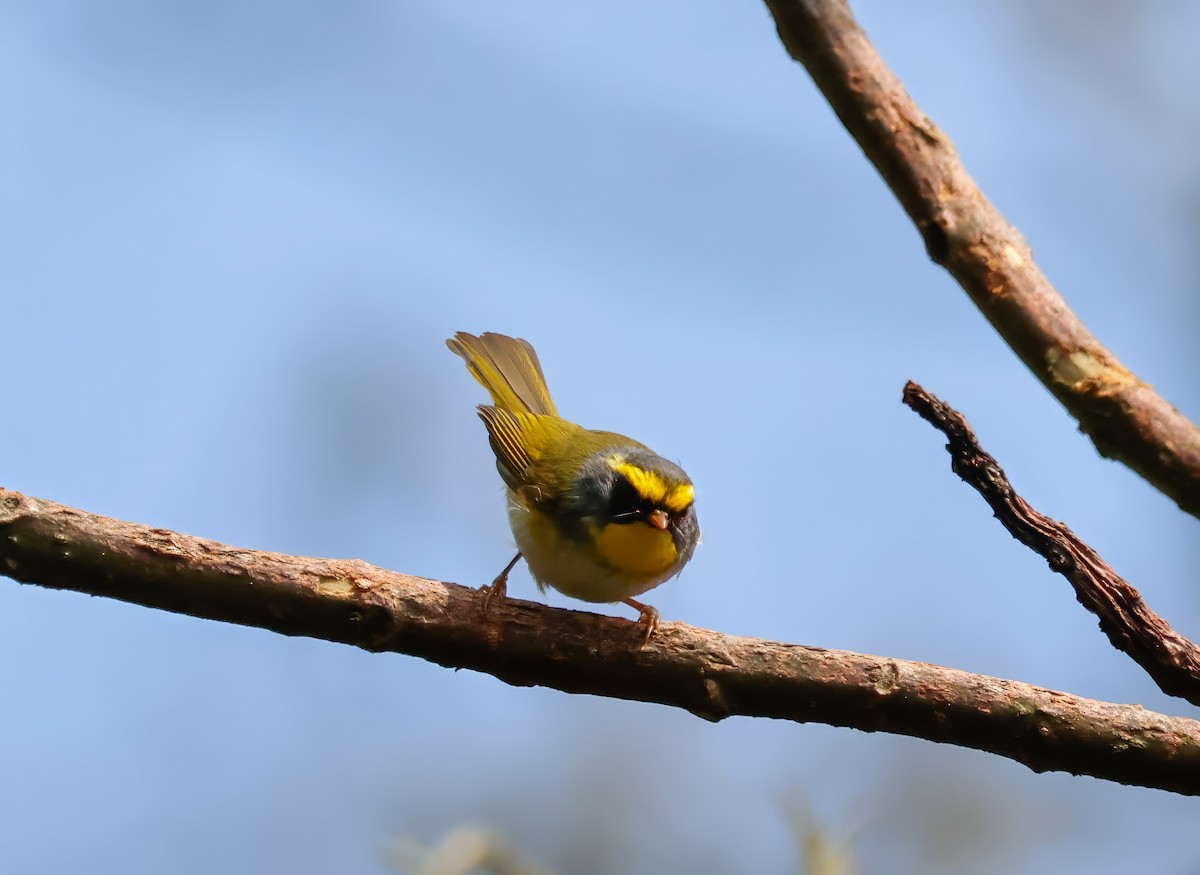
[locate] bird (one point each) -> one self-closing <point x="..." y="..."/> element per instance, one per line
<point x="596" y="515"/>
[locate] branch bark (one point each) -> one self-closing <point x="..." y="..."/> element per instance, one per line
<point x="1169" y="658"/>
<point x="709" y="674"/>
<point x="965" y="233"/>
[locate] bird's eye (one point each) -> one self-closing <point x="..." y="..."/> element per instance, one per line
<point x="623" y="498"/>
<point x="625" y="503"/>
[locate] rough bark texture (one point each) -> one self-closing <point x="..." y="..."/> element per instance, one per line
<point x="710" y="674"/>
<point x="1172" y="660"/>
<point x="966" y="234"/>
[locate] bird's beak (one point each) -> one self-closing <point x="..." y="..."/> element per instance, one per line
<point x="658" y="519"/>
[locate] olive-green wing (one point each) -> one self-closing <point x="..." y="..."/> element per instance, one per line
<point x="532" y="450"/>
<point x="511" y="436"/>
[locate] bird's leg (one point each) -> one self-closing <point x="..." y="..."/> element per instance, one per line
<point x="499" y="586"/>
<point x="648" y="617"/>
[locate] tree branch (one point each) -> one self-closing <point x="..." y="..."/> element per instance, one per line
<point x="707" y="673"/>
<point x="966" y="234"/>
<point x="1170" y="659"/>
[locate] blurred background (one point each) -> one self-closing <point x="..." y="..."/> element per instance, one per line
<point x="233" y="236"/>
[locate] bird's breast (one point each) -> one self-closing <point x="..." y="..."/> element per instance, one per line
<point x="637" y="548"/>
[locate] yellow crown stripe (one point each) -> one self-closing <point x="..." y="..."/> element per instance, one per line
<point x="650" y="486"/>
<point x="679" y="497"/>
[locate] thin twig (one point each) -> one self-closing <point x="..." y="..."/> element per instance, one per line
<point x="710" y="674"/>
<point x="1170" y="659"/>
<point x="966" y="234"/>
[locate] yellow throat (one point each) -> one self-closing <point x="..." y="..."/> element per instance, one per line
<point x="636" y="548"/>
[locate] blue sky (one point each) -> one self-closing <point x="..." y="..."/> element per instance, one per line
<point x="234" y="236"/>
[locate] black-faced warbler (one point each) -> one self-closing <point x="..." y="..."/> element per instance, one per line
<point x="597" y="516"/>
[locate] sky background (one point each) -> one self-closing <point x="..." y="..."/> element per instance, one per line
<point x="233" y="237"/>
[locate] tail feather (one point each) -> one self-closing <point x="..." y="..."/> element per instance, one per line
<point x="508" y="368"/>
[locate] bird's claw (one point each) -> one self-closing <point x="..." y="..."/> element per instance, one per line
<point x="648" y="617"/>
<point x="496" y="591"/>
<point x="499" y="586"/>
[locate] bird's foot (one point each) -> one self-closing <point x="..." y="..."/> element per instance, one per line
<point x="647" y="616"/>
<point x="498" y="588"/>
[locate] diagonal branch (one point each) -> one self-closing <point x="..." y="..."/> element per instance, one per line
<point x="965" y="233"/>
<point x="710" y="674"/>
<point x="1170" y="659"/>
